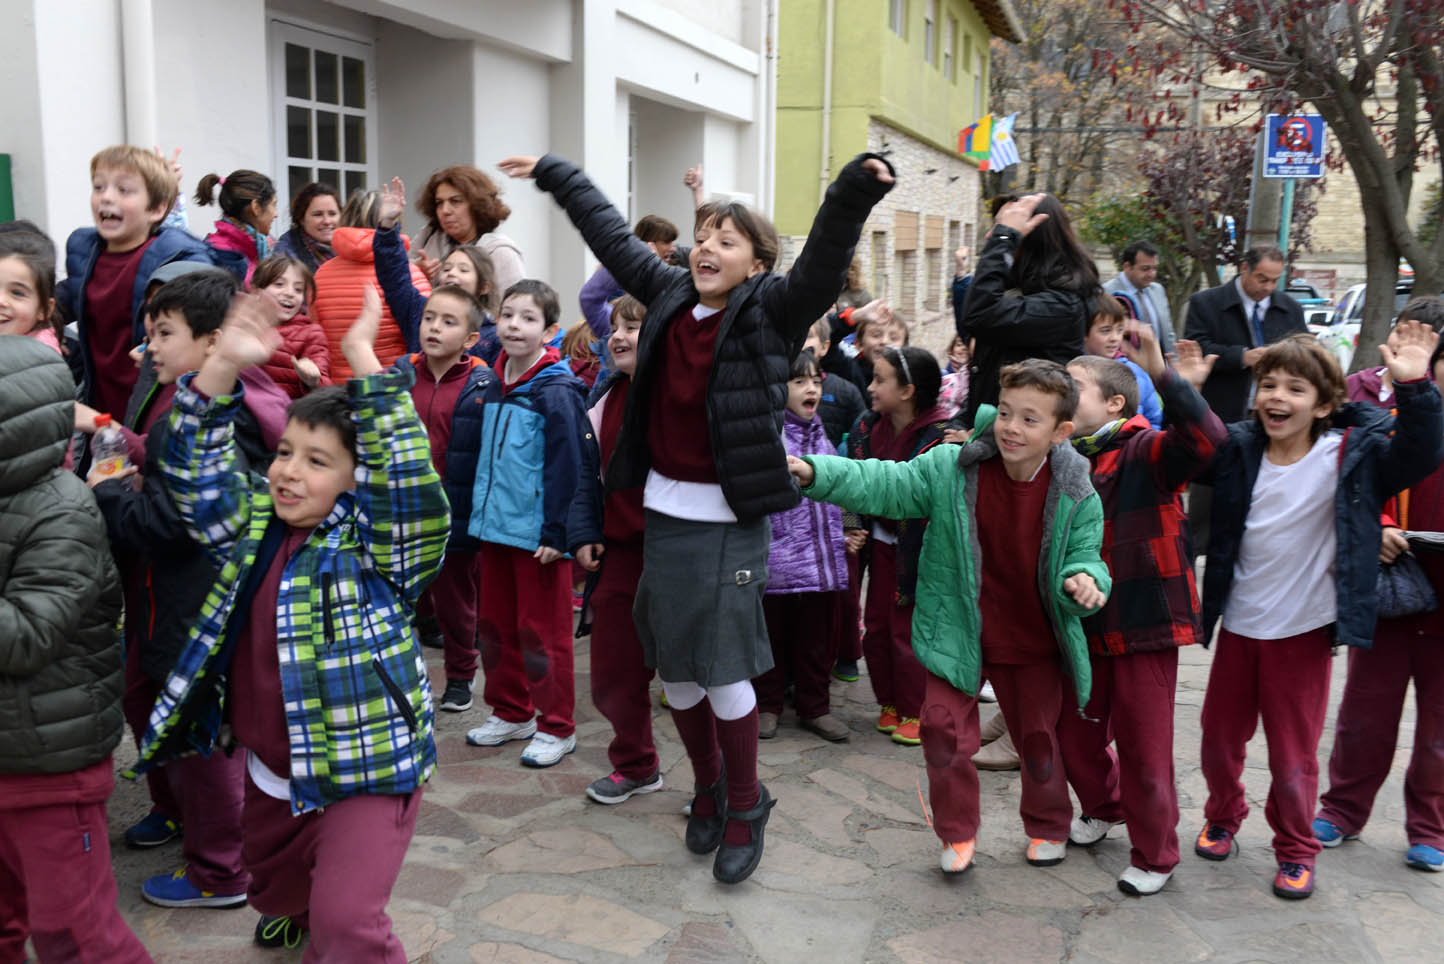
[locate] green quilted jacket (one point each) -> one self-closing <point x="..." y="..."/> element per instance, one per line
<point x="941" y="484"/>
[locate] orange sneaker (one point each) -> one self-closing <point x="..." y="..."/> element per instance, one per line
<point x="1294" y="881"/>
<point x="958" y="857"/>
<point x="888" y="719"/>
<point x="908" y="732"/>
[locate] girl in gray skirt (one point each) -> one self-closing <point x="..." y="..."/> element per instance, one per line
<point x="702" y="436"/>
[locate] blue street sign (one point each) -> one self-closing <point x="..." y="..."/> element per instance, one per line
<point x="1294" y="145"/>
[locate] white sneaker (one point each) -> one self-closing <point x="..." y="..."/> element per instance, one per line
<point x="1140" y="882"/>
<point x="496" y="731"/>
<point x="1046" y="853"/>
<point x="986" y="694"/>
<point x="1089" y="830"/>
<point x="546" y="750"/>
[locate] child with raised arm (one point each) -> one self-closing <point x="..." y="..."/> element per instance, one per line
<point x="1133" y="642"/>
<point x="1010" y="564"/>
<point x="702" y="434"/>
<point x="1293" y="565"/>
<point x="303" y="652"/>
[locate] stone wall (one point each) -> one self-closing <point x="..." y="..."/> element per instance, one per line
<point x="906" y="247"/>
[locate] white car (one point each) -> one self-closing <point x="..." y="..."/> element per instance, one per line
<point x="1341" y="332"/>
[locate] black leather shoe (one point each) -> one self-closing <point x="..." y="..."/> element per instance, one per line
<point x="705" y="833"/>
<point x="735" y="864"/>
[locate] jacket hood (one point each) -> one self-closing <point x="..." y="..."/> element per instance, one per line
<point x="1072" y="472"/>
<point x="1364" y="385"/>
<point x="354" y="244"/>
<point x="37" y="412"/>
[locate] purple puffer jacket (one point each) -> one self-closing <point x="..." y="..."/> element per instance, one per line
<point x="807" y="553"/>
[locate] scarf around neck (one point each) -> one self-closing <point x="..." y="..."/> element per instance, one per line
<point x="1091" y="445"/>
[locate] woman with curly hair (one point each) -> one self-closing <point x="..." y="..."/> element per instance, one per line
<point x="463" y="206"/>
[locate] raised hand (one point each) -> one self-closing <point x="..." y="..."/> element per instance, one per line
<point x="802" y="471"/>
<point x="879" y="170"/>
<point x="1019" y="215"/>
<point x="962" y="260"/>
<point x="1147" y="355"/>
<point x="172" y="162"/>
<point x="247" y="335"/>
<point x="692" y="180"/>
<point x="521" y="165"/>
<point x="393" y="202"/>
<point x="1410" y="360"/>
<point x="876" y="310"/>
<point x="357" y="345"/>
<point x="1084" y="591"/>
<point x="1191" y="363"/>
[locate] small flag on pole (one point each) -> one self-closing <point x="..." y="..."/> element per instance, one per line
<point x="974" y="141"/>
<point x="1005" y="150"/>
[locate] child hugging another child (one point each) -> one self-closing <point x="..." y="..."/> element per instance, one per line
<point x="1009" y="565"/>
<point x="532" y="451"/>
<point x="605" y="531"/>
<point x="905" y="421"/>
<point x="1107" y="326"/>
<point x="303" y="652"/>
<point x="1293" y="563"/>
<point x="1133" y="642"/>
<point x="702" y="433"/>
<point x="807" y="577"/>
<point x="303" y="361"/>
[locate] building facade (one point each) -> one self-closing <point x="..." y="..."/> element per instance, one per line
<point x="356" y="91"/>
<point x="900" y="78"/>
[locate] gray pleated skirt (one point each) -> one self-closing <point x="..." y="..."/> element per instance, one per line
<point x="699" y="603"/>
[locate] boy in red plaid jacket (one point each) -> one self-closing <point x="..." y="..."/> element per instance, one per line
<point x="1133" y="641"/>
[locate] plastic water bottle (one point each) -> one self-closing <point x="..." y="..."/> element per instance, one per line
<point x="108" y="451"/>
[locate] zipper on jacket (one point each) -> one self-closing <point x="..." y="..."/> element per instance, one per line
<point x="397" y="696"/>
<point x="496" y="447"/>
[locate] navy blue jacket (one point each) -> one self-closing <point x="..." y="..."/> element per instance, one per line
<point x="463" y="450"/>
<point x="84" y="247"/>
<point x="1380" y="455"/>
<point x="533" y="451"/>
<point x="393" y="272"/>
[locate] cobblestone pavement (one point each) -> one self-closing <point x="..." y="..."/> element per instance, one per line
<point x="516" y="865"/>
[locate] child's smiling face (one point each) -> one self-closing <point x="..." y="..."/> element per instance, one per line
<point x="121" y="206"/>
<point x="1287" y="405"/>
<point x="1027" y="425"/>
<point x="722" y="260"/>
<point x="311" y="469"/>
<point x="521" y="327"/>
<point x="289" y="293"/>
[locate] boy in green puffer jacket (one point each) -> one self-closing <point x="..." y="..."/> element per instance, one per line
<point x="1019" y="496"/>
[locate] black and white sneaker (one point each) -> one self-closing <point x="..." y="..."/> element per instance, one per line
<point x="615" y="788"/>
<point x="457" y="696"/>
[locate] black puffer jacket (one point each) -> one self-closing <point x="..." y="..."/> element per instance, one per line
<point x="60" y="672"/>
<point x="762" y="330"/>
<point x="1011" y="326"/>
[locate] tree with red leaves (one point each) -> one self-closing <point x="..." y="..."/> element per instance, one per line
<point x="1339" y="57"/>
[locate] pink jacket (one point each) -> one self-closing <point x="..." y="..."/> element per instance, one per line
<point x="229" y="237"/>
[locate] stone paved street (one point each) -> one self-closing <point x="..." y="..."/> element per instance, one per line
<point x="514" y="865"/>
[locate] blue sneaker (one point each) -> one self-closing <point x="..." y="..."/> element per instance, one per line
<point x="152" y="830"/>
<point x="175" y="890"/>
<point x="1424" y="857"/>
<point x="1330" y="834"/>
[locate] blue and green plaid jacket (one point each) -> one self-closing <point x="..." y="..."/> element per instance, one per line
<point x="355" y="690"/>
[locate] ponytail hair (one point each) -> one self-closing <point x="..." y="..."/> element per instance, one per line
<point x="238" y="190"/>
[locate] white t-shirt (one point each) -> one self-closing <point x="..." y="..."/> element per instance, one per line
<point x="267" y="780"/>
<point x="1283" y="579"/>
<point x="692" y="501"/>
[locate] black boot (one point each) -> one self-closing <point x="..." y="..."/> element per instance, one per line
<point x="735" y="864"/>
<point x="705" y="833"/>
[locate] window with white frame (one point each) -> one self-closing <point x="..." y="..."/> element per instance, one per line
<point x="323" y="88"/>
<point x="897" y="17"/>
<point x="930" y="32"/>
<point x="950" y="44"/>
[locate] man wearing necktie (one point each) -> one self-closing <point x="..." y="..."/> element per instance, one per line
<point x="1236" y="321"/>
<point x="1138" y="280"/>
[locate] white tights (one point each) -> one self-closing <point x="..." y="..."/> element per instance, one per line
<point x="730" y="701"/>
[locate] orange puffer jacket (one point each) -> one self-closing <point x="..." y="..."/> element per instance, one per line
<point x="339" y="286"/>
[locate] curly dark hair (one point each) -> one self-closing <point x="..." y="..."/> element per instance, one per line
<point x="482" y="196"/>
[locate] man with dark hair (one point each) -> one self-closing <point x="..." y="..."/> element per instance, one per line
<point x="1138" y="280"/>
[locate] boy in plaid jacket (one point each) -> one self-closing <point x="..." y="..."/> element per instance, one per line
<point x="321" y="568"/>
<point x="1133" y="640"/>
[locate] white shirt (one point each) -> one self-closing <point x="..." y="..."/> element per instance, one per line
<point x="1248" y="303"/>
<point x="1283" y="579"/>
<point x="267" y="780"/>
<point x="692" y="501"/>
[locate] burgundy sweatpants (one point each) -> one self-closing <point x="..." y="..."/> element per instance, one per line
<point x="332" y="870"/>
<point x="139" y="699"/>
<point x="1286" y="681"/>
<point x="525" y="631"/>
<point x="1368" y="729"/>
<point x="621" y="680"/>
<point x="1030" y="696"/>
<point x="451" y="600"/>
<point x="57" y="888"/>
<point x="205" y="794"/>
<point x="803" y="629"/>
<point x="1132" y="704"/>
<point x="849" y="638"/>
<point x="898" y="679"/>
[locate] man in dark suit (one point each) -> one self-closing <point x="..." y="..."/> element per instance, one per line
<point x="1236" y="321"/>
